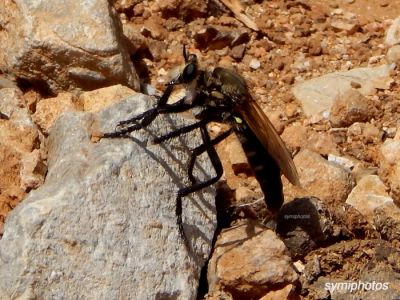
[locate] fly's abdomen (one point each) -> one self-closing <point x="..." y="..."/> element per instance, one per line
<point x="265" y="169"/>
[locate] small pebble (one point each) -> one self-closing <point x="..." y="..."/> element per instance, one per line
<point x="255" y="64"/>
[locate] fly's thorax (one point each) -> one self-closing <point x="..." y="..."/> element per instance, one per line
<point x="215" y="98"/>
<point x="225" y="86"/>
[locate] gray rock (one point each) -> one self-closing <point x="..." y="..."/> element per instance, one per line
<point x="103" y="225"/>
<point x="317" y="95"/>
<point x="306" y="224"/>
<point x="348" y="26"/>
<point x="12" y="105"/>
<point x="64" y="45"/>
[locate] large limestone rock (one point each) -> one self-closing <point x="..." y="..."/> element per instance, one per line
<point x="103" y="224"/>
<point x="64" y="45"/>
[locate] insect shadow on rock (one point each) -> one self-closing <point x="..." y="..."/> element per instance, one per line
<point x="221" y="95"/>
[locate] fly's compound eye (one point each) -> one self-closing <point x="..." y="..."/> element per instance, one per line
<point x="189" y="72"/>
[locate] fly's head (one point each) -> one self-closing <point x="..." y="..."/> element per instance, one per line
<point x="220" y="87"/>
<point x="189" y="72"/>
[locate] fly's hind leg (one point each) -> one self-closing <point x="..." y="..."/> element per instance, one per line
<point x="201" y="149"/>
<point x="215" y="161"/>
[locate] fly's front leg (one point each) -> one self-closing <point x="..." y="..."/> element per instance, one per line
<point x="142" y="120"/>
<point x="205" y="116"/>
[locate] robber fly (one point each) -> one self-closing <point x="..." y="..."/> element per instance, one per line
<point x="221" y="95"/>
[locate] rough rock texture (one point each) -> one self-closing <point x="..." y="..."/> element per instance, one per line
<point x="50" y="109"/>
<point x="64" y="46"/>
<point x="285" y="293"/>
<point x="297" y="41"/>
<point x="369" y="194"/>
<point x="328" y="181"/>
<point x="183" y="9"/>
<point x="393" y="33"/>
<point x="390" y="166"/>
<point x="317" y="95"/>
<point x="307" y="223"/>
<point x="298" y="137"/>
<point x="393" y="55"/>
<point x="21" y="161"/>
<point x="249" y="261"/>
<point x="96" y="100"/>
<point x="6" y="83"/>
<point x="103" y="225"/>
<point x="350" y="107"/>
<point x="365" y="261"/>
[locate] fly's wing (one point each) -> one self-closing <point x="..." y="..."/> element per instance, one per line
<point x="262" y="127"/>
<point x="234" y="87"/>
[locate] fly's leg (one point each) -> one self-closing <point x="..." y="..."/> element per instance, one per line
<point x="178" y="132"/>
<point x="207" y="115"/>
<point x="144" y="119"/>
<point x="201" y="149"/>
<point x="148" y="116"/>
<point x="196" y="151"/>
<point x="216" y="162"/>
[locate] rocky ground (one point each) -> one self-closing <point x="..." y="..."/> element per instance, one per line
<point x="325" y="72"/>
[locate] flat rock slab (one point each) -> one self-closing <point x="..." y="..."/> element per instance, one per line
<point x="103" y="225"/>
<point x="317" y="95"/>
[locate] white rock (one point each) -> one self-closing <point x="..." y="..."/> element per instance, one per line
<point x="103" y="225"/>
<point x="342" y="161"/>
<point x="255" y="64"/>
<point x="317" y="95"/>
<point x="393" y="55"/>
<point x="393" y="33"/>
